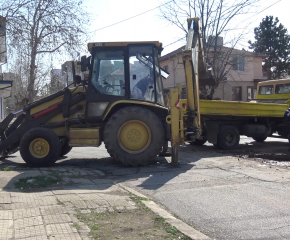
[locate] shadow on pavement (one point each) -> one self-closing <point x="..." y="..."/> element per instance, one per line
<point x="103" y="173"/>
<point x="89" y="173"/>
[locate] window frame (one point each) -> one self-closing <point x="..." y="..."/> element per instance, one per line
<point x="282" y="84"/>
<point x="124" y="50"/>
<point x="237" y="62"/>
<point x="260" y="87"/>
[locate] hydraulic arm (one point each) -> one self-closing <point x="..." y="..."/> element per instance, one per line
<point x="186" y="120"/>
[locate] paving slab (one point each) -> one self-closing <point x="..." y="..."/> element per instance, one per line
<point x="6" y="234"/>
<point x="26" y="213"/>
<point x="32" y="231"/>
<point x="6" y="215"/>
<point x="59" y="218"/>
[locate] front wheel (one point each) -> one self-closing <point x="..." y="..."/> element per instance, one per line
<point x="134" y="136"/>
<point x="40" y="147"/>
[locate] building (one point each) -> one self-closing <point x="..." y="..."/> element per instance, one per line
<point x="67" y="71"/>
<point x="240" y="84"/>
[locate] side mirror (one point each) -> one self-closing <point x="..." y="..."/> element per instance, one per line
<point x="77" y="79"/>
<point x="83" y="63"/>
<point x="89" y="62"/>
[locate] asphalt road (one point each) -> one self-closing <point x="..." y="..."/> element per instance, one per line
<point x="223" y="194"/>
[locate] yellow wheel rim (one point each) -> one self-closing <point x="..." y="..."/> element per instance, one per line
<point x="134" y="136"/>
<point x="39" y="148"/>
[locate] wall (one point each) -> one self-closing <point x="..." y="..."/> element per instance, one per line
<point x="258" y="69"/>
<point x="176" y="70"/>
<point x="224" y="90"/>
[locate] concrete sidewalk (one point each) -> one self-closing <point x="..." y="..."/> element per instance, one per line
<point x="52" y="213"/>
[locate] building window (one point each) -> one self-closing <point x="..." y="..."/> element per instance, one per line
<point x="239" y="63"/>
<point x="237" y="93"/>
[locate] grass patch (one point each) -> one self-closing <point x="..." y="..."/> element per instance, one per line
<point x="41" y="181"/>
<point x="91" y="221"/>
<point x="6" y="169"/>
<point x="173" y="231"/>
<point x="76" y="226"/>
<point x="60" y="203"/>
<point x="140" y="223"/>
<point x="139" y="199"/>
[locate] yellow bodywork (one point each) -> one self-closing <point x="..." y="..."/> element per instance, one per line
<point x="147" y="104"/>
<point x="61" y="131"/>
<point x="175" y="118"/>
<point x="120" y="44"/>
<point x="249" y="109"/>
<point x="274" y="96"/>
<point x="81" y="137"/>
<point x="211" y="107"/>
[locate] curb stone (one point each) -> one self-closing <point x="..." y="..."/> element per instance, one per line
<point x="169" y="218"/>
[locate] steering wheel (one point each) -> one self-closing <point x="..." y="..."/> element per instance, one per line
<point x="107" y="85"/>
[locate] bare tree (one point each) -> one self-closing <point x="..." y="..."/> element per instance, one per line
<point x="19" y="67"/>
<point x="44" y="27"/>
<point x="216" y="19"/>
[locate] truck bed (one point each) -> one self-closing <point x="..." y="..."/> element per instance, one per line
<point x="250" y="109"/>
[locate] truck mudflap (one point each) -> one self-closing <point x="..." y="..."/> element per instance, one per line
<point x="12" y="132"/>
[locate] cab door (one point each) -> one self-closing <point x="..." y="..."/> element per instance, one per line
<point x="107" y="83"/>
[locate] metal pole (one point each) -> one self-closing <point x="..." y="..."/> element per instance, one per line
<point x="174" y="157"/>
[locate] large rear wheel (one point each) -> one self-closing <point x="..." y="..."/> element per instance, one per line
<point x="134" y="136"/>
<point x="40" y="147"/>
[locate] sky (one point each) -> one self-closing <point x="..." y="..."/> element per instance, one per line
<point x="109" y="23"/>
<point x="151" y="27"/>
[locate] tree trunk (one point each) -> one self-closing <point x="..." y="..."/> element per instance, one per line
<point x="30" y="88"/>
<point x="212" y="91"/>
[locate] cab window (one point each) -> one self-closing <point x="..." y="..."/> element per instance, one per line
<point x="266" y="89"/>
<point x="282" y="88"/>
<point x="108" y="75"/>
<point x="142" y="84"/>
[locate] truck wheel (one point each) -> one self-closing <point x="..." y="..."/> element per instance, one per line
<point x="228" y="138"/>
<point x="65" y="149"/>
<point x="134" y="136"/>
<point x="259" y="138"/>
<point x="40" y="147"/>
<point x="199" y="142"/>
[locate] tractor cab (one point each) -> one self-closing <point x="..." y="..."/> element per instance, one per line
<point x="124" y="72"/>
